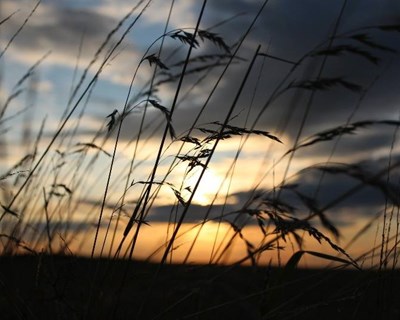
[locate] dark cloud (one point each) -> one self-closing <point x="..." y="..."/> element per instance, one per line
<point x="286" y="29"/>
<point x="358" y="145"/>
<point x="196" y="213"/>
<point x="59" y="29"/>
<point x="371" y="187"/>
<point x="371" y="192"/>
<point x="289" y="29"/>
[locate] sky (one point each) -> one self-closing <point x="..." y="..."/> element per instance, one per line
<point x="361" y="70"/>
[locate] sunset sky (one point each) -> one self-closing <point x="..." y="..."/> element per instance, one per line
<point x="64" y="35"/>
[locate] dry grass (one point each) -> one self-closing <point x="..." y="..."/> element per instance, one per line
<point x="44" y="194"/>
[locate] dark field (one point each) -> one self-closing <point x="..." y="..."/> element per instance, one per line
<point x="49" y="287"/>
<point x="194" y="130"/>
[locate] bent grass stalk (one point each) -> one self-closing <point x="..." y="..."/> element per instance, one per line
<point x="45" y="203"/>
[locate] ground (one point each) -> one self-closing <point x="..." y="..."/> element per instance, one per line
<point x="59" y="287"/>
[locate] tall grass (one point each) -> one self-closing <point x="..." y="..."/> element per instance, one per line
<point x="73" y="195"/>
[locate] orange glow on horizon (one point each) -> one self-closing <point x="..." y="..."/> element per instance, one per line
<point x="212" y="239"/>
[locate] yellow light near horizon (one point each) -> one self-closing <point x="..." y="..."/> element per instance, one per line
<point x="209" y="186"/>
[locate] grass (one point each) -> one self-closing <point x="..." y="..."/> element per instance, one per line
<point x="78" y="210"/>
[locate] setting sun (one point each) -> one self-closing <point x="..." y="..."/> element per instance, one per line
<point x="209" y="186"/>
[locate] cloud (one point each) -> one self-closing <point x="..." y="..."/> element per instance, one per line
<point x="292" y="30"/>
<point x="61" y="30"/>
<point x="56" y="30"/>
<point x="371" y="194"/>
<point x="368" y="180"/>
<point x="286" y="29"/>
